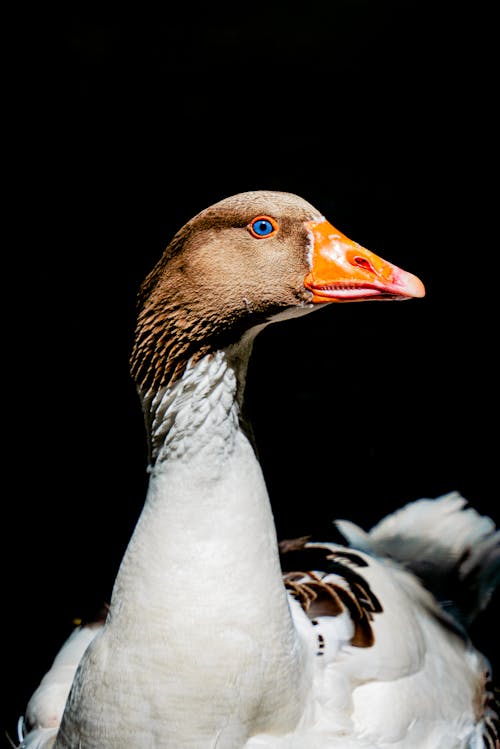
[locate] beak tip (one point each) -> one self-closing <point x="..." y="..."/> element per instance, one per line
<point x="411" y="286"/>
<point x="418" y="288"/>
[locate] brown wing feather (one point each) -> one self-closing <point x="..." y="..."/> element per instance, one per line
<point x="305" y="568"/>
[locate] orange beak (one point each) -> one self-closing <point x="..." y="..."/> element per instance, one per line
<point x="343" y="271"/>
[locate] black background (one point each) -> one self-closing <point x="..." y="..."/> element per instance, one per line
<point x="126" y="124"/>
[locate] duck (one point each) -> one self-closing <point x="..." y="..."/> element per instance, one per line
<point x="217" y="634"/>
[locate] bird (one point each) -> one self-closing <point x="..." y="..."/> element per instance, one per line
<point x="217" y="634"/>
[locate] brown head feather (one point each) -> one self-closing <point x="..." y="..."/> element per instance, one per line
<point x="215" y="281"/>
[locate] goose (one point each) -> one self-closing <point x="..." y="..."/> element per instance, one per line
<point x="217" y="636"/>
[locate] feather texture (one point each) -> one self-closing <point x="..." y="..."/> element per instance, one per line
<point x="448" y="545"/>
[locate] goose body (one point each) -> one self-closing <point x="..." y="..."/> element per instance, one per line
<point x="218" y="637"/>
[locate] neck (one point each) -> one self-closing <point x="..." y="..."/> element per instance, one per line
<point x="201" y="574"/>
<point x="201" y="410"/>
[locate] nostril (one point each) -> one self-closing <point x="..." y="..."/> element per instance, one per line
<point x="362" y="262"/>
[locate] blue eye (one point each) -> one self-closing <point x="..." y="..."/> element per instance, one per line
<point x="263" y="226"/>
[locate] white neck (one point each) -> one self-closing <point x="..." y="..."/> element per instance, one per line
<point x="199" y="593"/>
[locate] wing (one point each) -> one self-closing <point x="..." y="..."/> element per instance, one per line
<point x="39" y="726"/>
<point x="386" y="653"/>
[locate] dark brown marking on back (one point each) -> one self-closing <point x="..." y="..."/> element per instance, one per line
<point x="319" y="597"/>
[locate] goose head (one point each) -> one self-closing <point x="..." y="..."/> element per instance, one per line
<point x="245" y="261"/>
